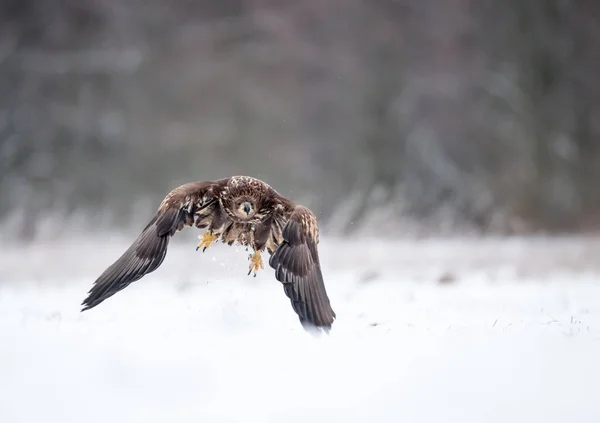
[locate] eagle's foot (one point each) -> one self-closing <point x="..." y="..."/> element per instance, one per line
<point x="206" y="239"/>
<point x="255" y="263"/>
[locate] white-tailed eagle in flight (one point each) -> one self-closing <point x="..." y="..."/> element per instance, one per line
<point x="236" y="210"/>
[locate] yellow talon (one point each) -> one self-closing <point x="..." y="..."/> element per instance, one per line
<point x="255" y="263"/>
<point x="207" y="239"/>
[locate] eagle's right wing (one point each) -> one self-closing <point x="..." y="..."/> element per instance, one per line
<point x="148" y="251"/>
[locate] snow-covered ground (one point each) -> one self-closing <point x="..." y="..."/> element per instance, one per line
<point x="427" y="331"/>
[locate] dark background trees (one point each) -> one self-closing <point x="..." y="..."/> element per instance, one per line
<point x="436" y="116"/>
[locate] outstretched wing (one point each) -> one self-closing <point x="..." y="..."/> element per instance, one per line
<point x="148" y="251"/>
<point x="297" y="267"/>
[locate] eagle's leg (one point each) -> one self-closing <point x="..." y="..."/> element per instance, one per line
<point x="206" y="239"/>
<point x="255" y="262"/>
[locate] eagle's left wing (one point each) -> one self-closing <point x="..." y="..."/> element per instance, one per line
<point x="149" y="249"/>
<point x="297" y="267"/>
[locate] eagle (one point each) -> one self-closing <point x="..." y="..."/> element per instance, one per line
<point x="240" y="210"/>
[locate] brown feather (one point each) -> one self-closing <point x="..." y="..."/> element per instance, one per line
<point x="297" y="266"/>
<point x="149" y="249"/>
<point x="144" y="256"/>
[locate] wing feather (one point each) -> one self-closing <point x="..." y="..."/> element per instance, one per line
<point x="297" y="267"/>
<point x="149" y="249"/>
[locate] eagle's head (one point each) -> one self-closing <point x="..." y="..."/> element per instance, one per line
<point x="245" y="199"/>
<point x="244" y="208"/>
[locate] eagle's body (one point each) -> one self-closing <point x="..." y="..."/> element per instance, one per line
<point x="237" y="210"/>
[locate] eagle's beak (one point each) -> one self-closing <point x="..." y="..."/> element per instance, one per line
<point x="247" y="208"/>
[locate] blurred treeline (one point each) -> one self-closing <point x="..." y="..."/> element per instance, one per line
<point x="448" y="113"/>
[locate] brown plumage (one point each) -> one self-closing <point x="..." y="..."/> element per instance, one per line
<point x="242" y="210"/>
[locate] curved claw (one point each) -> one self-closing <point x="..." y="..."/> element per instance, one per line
<point x="205" y="241"/>
<point x="255" y="263"/>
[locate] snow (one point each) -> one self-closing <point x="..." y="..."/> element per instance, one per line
<point x="427" y="331"/>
